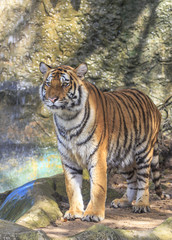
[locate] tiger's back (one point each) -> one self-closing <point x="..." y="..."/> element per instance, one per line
<point x="129" y="122"/>
<point x="98" y="129"/>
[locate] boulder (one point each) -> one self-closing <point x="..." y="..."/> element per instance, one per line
<point x="12" y="231"/>
<point x="34" y="204"/>
<point x="164" y="231"/>
<point x="38" y="203"/>
<point x="101" y="232"/>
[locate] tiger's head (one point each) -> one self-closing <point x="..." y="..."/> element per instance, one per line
<point x="62" y="88"/>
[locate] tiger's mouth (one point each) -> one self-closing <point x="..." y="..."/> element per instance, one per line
<point x="56" y="105"/>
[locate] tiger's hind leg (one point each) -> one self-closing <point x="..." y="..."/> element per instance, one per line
<point x="155" y="172"/>
<point x="143" y="162"/>
<point x="129" y="196"/>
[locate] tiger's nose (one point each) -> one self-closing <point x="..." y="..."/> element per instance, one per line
<point x="53" y="100"/>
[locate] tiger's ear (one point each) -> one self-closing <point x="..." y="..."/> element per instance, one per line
<point x="43" y="67"/>
<point x="81" y="70"/>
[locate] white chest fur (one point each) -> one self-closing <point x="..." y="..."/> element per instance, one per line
<point x="73" y="135"/>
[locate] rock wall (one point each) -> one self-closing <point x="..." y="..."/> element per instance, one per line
<point x="124" y="43"/>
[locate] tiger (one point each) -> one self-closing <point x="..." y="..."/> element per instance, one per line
<point x="101" y="130"/>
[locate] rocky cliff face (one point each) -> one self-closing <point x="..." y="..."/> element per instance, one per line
<point x="124" y="43"/>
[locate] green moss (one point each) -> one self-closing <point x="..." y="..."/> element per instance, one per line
<point x="99" y="232"/>
<point x="164" y="230"/>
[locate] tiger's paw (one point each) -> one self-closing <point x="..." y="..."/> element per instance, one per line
<point x="120" y="203"/>
<point x="71" y="215"/>
<point x="140" y="208"/>
<point x="92" y="217"/>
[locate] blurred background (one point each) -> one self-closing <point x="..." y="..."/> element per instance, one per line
<point x="126" y="43"/>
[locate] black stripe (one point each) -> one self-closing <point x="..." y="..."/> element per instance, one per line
<point x="133" y="188"/>
<point x="102" y="188"/>
<point x="61" y="130"/>
<point x="101" y="98"/>
<point x="74" y="170"/>
<point x="74" y="84"/>
<point x="145" y="175"/>
<point x="60" y="69"/>
<point x="143" y="167"/>
<point x="123" y="102"/>
<point x="155" y="166"/>
<point x="122" y="120"/>
<point x="109" y="131"/>
<point x="83" y="122"/>
<point x="141" y="180"/>
<point x="127" y="173"/>
<point x="71" y="92"/>
<point x="59" y="141"/>
<point x="141" y="160"/>
<point x="149" y="113"/>
<point x="130" y="177"/>
<point x="95" y="149"/>
<point x="129" y="147"/>
<point x="118" y="148"/>
<point x="53" y="72"/>
<point x="111" y="145"/>
<point x="141" y="189"/>
<point x="125" y="127"/>
<point x="89" y="136"/>
<point x="146" y="118"/>
<point x="110" y="139"/>
<point x="104" y="115"/>
<point x="143" y="113"/>
<point x="113" y="119"/>
<point x="131" y="106"/>
<point x="133" y="182"/>
<point x="148" y="146"/>
<point x="80" y="96"/>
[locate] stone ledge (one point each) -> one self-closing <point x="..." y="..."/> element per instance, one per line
<point x="101" y="232"/>
<point x="13" y="231"/>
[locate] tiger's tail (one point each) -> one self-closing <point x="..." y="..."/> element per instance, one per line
<point x="156" y="176"/>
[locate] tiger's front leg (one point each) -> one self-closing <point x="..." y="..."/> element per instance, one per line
<point x="95" y="210"/>
<point x="73" y="182"/>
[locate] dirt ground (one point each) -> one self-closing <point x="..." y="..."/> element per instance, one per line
<point x="121" y="218"/>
